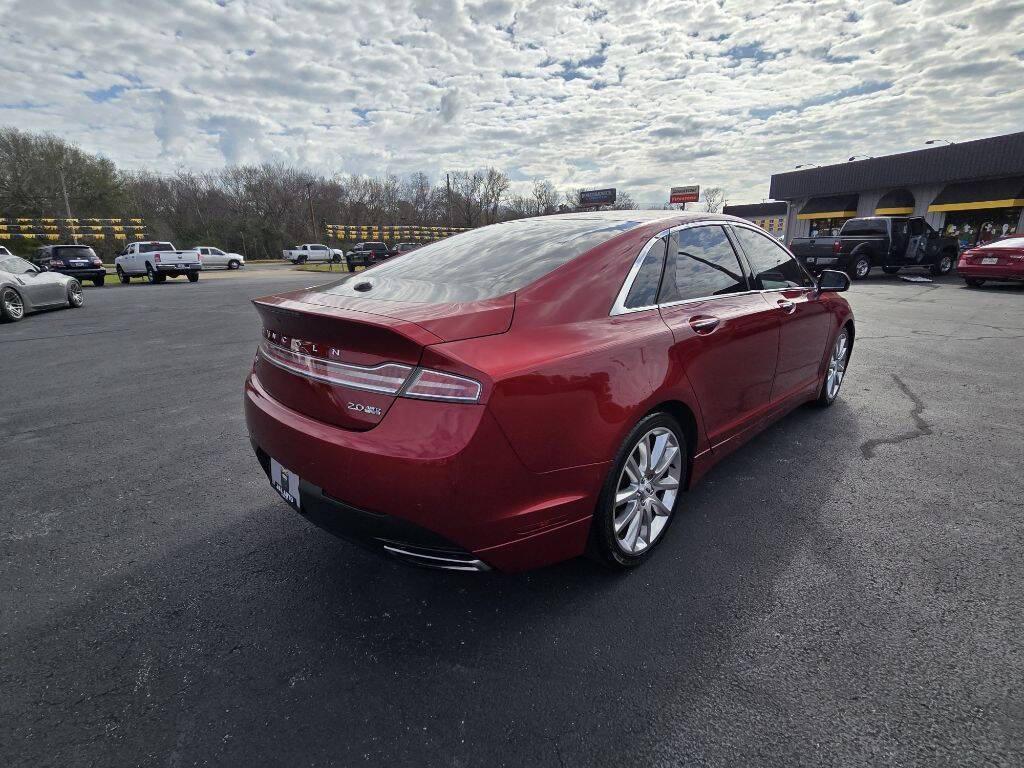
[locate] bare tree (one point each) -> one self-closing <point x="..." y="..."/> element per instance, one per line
<point x="714" y="199"/>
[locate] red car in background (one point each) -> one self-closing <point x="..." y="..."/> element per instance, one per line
<point x="1001" y="260"/>
<point x="522" y="393"/>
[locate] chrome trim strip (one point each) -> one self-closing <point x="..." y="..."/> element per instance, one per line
<point x="440" y="562"/>
<point x="298" y="371"/>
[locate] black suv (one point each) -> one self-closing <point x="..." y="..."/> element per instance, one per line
<point x="79" y="261"/>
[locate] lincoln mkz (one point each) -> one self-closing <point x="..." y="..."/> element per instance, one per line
<point x="538" y="389"/>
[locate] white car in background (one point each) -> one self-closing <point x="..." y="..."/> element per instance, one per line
<point x="215" y="257"/>
<point x="313" y="253"/>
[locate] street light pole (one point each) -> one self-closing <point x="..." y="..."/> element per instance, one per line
<point x="312" y="216"/>
<point x="67" y="206"/>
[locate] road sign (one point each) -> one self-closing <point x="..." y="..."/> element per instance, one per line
<point x="590" y="197"/>
<point x="690" y="194"/>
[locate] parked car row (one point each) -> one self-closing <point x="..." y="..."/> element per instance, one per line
<point x="363" y="254"/>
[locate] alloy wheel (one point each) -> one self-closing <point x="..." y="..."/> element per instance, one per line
<point x="837" y="366"/>
<point x="13" y="306"/>
<point x="75" y="295"/>
<point x="945" y="264"/>
<point x="862" y="268"/>
<point x="646" y="493"/>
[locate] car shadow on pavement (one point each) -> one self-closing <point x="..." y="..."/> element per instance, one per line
<point x="268" y="641"/>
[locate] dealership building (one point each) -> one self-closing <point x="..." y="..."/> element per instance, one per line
<point x="973" y="190"/>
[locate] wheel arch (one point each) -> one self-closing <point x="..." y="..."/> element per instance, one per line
<point x="687" y="419"/>
<point x="26" y="303"/>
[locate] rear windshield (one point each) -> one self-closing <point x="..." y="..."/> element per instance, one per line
<point x="483" y="263"/>
<point x="864" y="227"/>
<point x="73" y="252"/>
<point x="151" y="247"/>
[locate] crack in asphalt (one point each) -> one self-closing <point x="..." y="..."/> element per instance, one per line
<point x="921" y="427"/>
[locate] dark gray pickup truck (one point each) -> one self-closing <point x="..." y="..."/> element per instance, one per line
<point x="889" y="242"/>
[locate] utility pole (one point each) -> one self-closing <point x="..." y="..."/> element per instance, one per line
<point x="448" y="184"/>
<point x="67" y="206"/>
<point x="312" y="216"/>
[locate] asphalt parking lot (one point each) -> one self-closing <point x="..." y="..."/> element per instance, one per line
<point x="846" y="590"/>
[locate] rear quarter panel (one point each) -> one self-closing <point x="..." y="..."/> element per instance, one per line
<point x="565" y="396"/>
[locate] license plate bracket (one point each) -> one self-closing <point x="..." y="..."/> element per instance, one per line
<point x="286" y="483"/>
<point x="990" y="260"/>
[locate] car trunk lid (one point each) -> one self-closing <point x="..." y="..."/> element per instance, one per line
<point x="341" y="360"/>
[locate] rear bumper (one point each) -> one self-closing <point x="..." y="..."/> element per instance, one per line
<point x="438" y="476"/>
<point x="991" y="272"/>
<point x="191" y="267"/>
<point x="83" y="273"/>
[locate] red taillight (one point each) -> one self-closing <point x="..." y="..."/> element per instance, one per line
<point x="156" y="258"/>
<point x="56" y="263"/>
<point x="428" y="384"/>
<point x="96" y="261"/>
<point x="386" y="378"/>
<point x="837" y="247"/>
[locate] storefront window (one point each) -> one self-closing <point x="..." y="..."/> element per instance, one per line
<point x="984" y="226"/>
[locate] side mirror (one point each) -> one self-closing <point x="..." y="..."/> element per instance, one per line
<point x="833" y="281"/>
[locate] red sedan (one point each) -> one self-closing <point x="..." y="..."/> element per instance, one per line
<point x="1001" y="260"/>
<point x="533" y="390"/>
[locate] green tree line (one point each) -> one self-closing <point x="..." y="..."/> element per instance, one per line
<point x="257" y="210"/>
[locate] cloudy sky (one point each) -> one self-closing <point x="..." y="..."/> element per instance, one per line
<point x="638" y="95"/>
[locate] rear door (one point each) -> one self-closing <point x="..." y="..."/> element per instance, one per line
<point x="788" y="290"/>
<point x="725" y="336"/>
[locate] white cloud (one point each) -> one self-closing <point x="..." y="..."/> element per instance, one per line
<point x="641" y="95"/>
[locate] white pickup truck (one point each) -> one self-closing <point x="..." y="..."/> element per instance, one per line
<point x="313" y="253"/>
<point x="156" y="261"/>
<point x="5" y="252"/>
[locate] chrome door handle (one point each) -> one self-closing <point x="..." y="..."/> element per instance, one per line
<point x="786" y="306"/>
<point x="703" y="324"/>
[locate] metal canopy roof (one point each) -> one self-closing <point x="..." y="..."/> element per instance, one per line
<point x="981" y="159"/>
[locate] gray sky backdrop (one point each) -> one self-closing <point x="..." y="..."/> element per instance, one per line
<point x="641" y="95"/>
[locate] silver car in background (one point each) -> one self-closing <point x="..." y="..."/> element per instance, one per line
<point x="25" y="288"/>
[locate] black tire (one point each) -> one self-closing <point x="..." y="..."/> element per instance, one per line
<point x="12" y="306"/>
<point x="301" y="260"/>
<point x="825" y="397"/>
<point x="944" y="265"/>
<point x="890" y="270"/>
<point x="233" y="264"/>
<point x="604" y="544"/>
<point x="76" y="296"/>
<point x="974" y="282"/>
<point x="123" y="276"/>
<point x="151" y="274"/>
<point x="98" y="281"/>
<point x="860" y="267"/>
<point x="336" y="259"/>
<point x="193" y="277"/>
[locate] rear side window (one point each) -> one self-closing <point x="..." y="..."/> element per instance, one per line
<point x="701" y="263"/>
<point x="73" y="252"/>
<point x="772" y="266"/>
<point x="484" y="263"/>
<point x="153" y="247"/>
<point x="644" y="291"/>
<point x="864" y="227"/>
